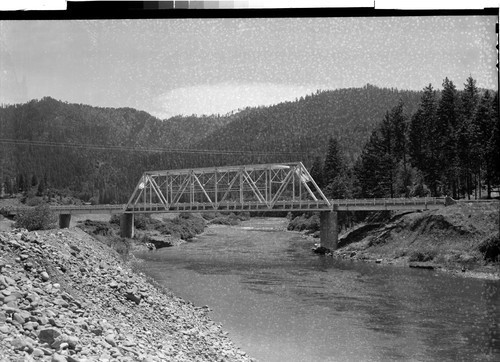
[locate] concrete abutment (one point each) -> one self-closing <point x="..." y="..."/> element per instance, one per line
<point x="127" y="225"/>
<point x="328" y="229"/>
<point x="64" y="221"/>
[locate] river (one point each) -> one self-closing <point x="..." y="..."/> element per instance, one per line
<point x="281" y="302"/>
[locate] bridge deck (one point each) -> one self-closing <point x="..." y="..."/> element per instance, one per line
<point x="234" y="206"/>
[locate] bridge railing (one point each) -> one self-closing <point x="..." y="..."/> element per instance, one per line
<point x="390" y="201"/>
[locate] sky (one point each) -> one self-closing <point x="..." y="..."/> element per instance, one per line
<point x="207" y="66"/>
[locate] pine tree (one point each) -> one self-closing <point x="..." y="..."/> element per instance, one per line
<point x="493" y="149"/>
<point x="481" y="131"/>
<point x="34" y="181"/>
<point x="424" y="147"/>
<point x="8" y="186"/>
<point x="448" y="161"/>
<point x="317" y="171"/>
<point x="41" y="187"/>
<point x="335" y="177"/>
<point x="469" y="100"/>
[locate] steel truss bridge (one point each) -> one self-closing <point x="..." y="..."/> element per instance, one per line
<point x="267" y="187"/>
<point x="286" y="186"/>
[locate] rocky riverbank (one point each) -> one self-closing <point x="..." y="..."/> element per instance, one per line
<point x="64" y="296"/>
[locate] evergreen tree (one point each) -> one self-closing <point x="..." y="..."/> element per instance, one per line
<point x="335" y="177"/>
<point x="317" y="171"/>
<point x="41" y="187"/>
<point x="448" y="161"/>
<point x="469" y="100"/>
<point x="481" y="131"/>
<point x="424" y="147"/>
<point x="8" y="186"/>
<point x="371" y="169"/>
<point x="34" y="181"/>
<point x="493" y="149"/>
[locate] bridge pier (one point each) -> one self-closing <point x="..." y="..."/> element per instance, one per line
<point x="127" y="225"/>
<point x="64" y="220"/>
<point x="328" y="229"/>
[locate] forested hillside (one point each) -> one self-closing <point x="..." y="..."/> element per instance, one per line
<point x="111" y="147"/>
<point x="358" y="142"/>
<point x="304" y="126"/>
<point x="104" y="152"/>
<point x="448" y="146"/>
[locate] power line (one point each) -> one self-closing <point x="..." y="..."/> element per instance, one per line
<point x="140" y="149"/>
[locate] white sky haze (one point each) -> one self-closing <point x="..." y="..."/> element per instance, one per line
<point x="203" y="66"/>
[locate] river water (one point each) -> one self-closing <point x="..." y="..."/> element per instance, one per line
<point x="281" y="302"/>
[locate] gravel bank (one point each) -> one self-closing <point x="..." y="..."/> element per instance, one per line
<point x="66" y="297"/>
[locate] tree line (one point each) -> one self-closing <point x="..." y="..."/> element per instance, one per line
<point x="448" y="146"/>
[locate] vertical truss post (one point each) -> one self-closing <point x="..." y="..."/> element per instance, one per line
<point x="216" y="198"/>
<point x="241" y="187"/>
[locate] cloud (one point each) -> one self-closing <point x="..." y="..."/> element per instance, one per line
<point x="226" y="97"/>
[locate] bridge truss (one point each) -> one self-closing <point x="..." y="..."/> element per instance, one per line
<point x="267" y="187"/>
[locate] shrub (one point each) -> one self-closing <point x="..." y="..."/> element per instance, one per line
<point x="37" y="218"/>
<point x="185" y="226"/>
<point x="96" y="227"/>
<point x="426" y="255"/>
<point x="490" y="248"/>
<point x="303" y="222"/>
<point x="115" y="219"/>
<point x="34" y="201"/>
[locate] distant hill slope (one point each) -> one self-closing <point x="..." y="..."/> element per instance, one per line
<point x="301" y="127"/>
<point x="49" y="121"/>
<point x="304" y="126"/>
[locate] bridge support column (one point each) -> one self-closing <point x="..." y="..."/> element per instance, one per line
<point x="127" y="225"/>
<point x="328" y="229"/>
<point x="64" y="220"/>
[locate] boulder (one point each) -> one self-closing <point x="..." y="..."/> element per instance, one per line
<point x="48" y="335"/>
<point x="321" y="250"/>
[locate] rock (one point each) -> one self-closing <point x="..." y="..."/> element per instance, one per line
<point x="48" y="335"/>
<point x="45" y="276"/>
<point x="21" y="344"/>
<point x="18" y="318"/>
<point x="110" y="339"/>
<point x="73" y="341"/>
<point x="37" y="352"/>
<point x="4" y="329"/>
<point x="321" y="250"/>
<point x="378" y="261"/>
<point x="133" y="296"/>
<point x="58" y="358"/>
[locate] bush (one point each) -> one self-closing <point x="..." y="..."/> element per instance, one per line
<point x="38" y="218"/>
<point x="422" y="256"/>
<point x="115" y="219"/>
<point x="96" y="227"/>
<point x="490" y="248"/>
<point x="34" y="201"/>
<point x="302" y="222"/>
<point x="185" y="226"/>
